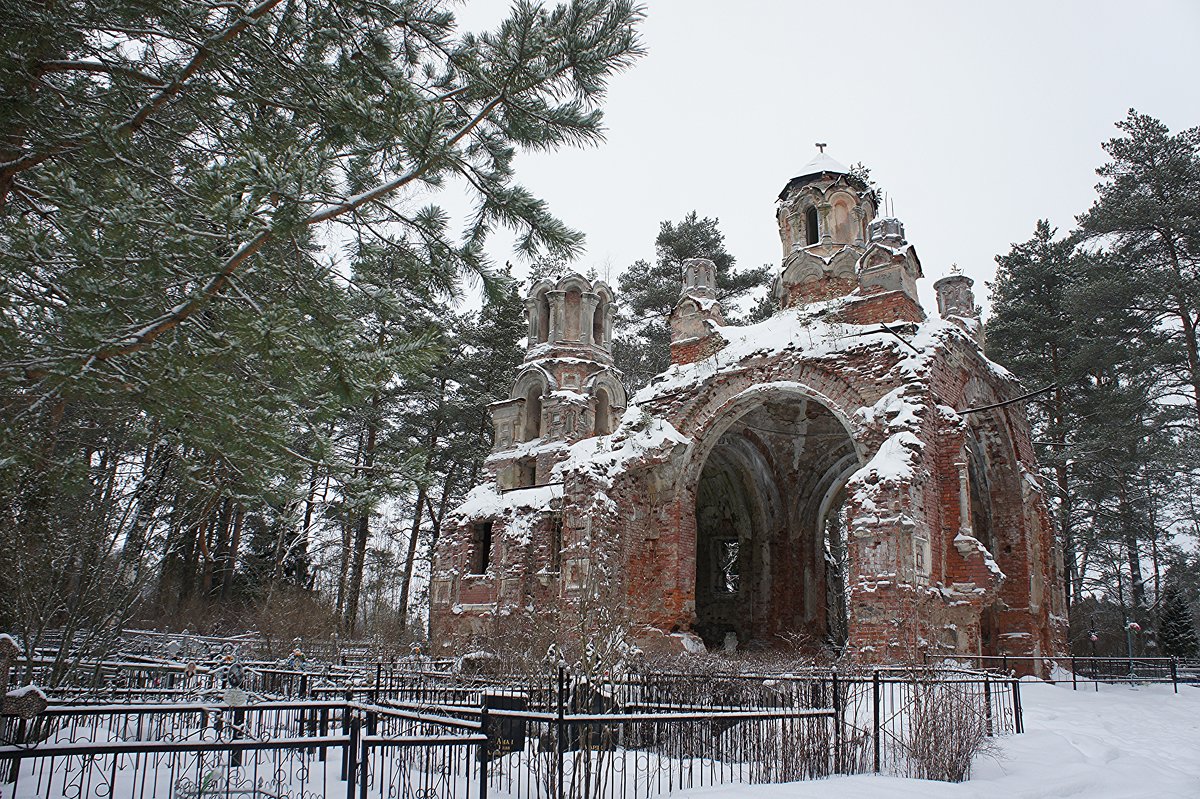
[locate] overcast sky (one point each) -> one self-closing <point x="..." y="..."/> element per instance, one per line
<point x="976" y="119"/>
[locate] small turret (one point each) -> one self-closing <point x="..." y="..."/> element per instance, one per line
<point x="697" y="314"/>
<point x="956" y="302"/>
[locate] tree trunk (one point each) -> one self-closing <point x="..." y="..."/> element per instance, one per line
<point x="362" y="529"/>
<point x="235" y="543"/>
<point x="1137" y="589"/>
<point x="214" y="570"/>
<point x="410" y="558"/>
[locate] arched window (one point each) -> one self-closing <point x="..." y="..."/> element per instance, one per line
<point x="603" y="413"/>
<point x="810" y="226"/>
<point x="543" y="312"/>
<point x="533" y="413"/>
<point x="598" y="319"/>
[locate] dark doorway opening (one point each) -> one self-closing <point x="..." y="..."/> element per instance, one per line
<point x="770" y="542"/>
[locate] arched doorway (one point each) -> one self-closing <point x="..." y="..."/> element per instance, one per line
<point x="770" y="527"/>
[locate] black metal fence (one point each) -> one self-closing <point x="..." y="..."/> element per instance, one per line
<point x="407" y="732"/>
<point x="1086" y="670"/>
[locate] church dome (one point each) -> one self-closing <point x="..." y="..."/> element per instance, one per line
<point x="821" y="164"/>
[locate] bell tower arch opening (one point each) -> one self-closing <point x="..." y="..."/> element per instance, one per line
<point x="543" y="316"/>
<point x="533" y="413"/>
<point x="771" y="564"/>
<point x="811" y="234"/>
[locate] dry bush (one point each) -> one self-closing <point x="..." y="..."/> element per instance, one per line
<point x="290" y="613"/>
<point x="948" y="728"/>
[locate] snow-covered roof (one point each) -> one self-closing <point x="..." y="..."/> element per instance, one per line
<point x="822" y="162"/>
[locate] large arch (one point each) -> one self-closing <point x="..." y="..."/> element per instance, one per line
<point x="995" y="508"/>
<point x="770" y="527"/>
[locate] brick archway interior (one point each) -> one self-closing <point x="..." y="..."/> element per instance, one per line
<point x="995" y="503"/>
<point x="769" y="528"/>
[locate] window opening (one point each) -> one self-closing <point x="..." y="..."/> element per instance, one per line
<point x="533" y="413"/>
<point x="810" y="226"/>
<point x="728" y="562"/>
<point x="598" y="323"/>
<point x="603" y="413"/>
<point x="543" y="306"/>
<point x="481" y="547"/>
<point x="526" y="472"/>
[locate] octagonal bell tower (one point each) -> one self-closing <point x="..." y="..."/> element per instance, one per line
<point x="567" y="388"/>
<point x="835" y="246"/>
<point x="823" y="214"/>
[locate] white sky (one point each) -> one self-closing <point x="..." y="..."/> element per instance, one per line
<point x="977" y="120"/>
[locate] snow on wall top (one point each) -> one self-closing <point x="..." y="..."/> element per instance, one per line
<point x="604" y="457"/>
<point x="485" y="500"/>
<point x="812" y="332"/>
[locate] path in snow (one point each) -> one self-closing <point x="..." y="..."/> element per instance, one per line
<point x="1120" y="743"/>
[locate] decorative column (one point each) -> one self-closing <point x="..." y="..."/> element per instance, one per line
<point x="823" y="210"/>
<point x="558" y="299"/>
<point x="956" y="302"/>
<point x="587" y="316"/>
<point x="531" y="313"/>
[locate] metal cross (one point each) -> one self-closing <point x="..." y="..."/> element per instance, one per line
<point x="821" y="146"/>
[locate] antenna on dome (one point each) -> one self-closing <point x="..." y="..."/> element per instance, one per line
<point x="821" y="146"/>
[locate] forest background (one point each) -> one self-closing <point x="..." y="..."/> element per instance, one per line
<point x="209" y="419"/>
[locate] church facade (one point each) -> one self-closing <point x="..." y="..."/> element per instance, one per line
<point x="848" y="475"/>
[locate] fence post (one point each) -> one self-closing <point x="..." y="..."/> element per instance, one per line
<point x="1074" y="679"/>
<point x="1018" y="713"/>
<point x="987" y="701"/>
<point x="378" y="678"/>
<point x="485" y="748"/>
<point x="350" y="759"/>
<point x="560" y="729"/>
<point x="239" y="720"/>
<point x="364" y="768"/>
<point x="1174" y="674"/>
<point x="875" y="700"/>
<point x="837" y="726"/>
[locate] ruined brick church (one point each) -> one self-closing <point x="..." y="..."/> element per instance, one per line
<point x="848" y="475"/>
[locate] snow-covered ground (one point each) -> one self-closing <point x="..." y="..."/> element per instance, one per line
<point x="1120" y="743"/>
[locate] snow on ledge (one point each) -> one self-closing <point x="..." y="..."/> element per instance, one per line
<point x="26" y="690"/>
<point x="968" y="544"/>
<point x="605" y="457"/>
<point x="485" y="500"/>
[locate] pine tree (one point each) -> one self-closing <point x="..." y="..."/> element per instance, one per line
<point x="1177" y="626"/>
<point x="648" y="293"/>
<point x="179" y="350"/>
<point x="1031" y="331"/>
<point x="1149" y="212"/>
